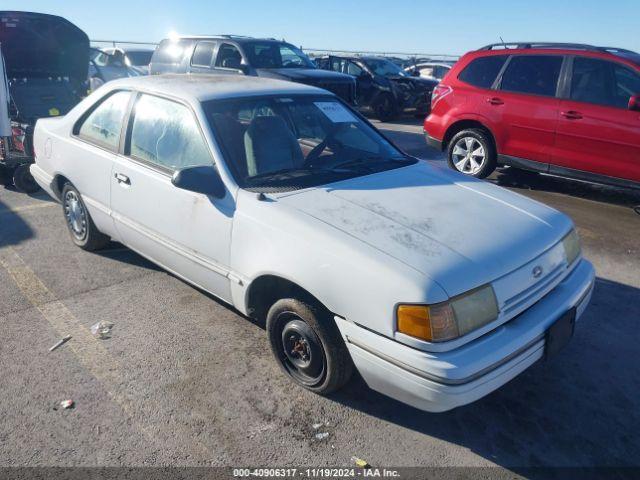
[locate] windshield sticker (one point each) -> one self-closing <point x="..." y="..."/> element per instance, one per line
<point x="335" y="111"/>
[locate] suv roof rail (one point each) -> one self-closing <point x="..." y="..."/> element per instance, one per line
<point x="228" y="35"/>
<point x="526" y="45"/>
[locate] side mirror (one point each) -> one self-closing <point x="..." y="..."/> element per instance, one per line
<point x="200" y="179"/>
<point x="634" y="103"/>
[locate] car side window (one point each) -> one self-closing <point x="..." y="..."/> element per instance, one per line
<point x="229" y="56"/>
<point x="627" y="84"/>
<point x="104" y="124"/>
<point x="532" y="74"/>
<point x="603" y="83"/>
<point x="166" y="134"/>
<point x="482" y="72"/>
<point x="426" y="72"/>
<point x="354" y="69"/>
<point x="203" y="54"/>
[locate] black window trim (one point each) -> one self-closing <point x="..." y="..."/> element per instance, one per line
<point x="125" y="141"/>
<point x="75" y="131"/>
<point x="497" y="85"/>
<point x="213" y="54"/>
<point x="566" y="93"/>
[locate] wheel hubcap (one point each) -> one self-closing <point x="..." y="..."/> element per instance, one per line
<point x="75" y="215"/>
<point x="468" y="155"/>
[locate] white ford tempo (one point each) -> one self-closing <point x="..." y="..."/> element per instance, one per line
<point x="282" y="201"/>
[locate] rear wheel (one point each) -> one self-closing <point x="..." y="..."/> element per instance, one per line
<point x="23" y="180"/>
<point x="307" y="345"/>
<point x="81" y="227"/>
<point x="472" y="152"/>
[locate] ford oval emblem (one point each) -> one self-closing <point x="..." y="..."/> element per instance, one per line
<point x="537" y="271"/>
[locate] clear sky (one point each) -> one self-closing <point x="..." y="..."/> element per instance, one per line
<point x="412" y="26"/>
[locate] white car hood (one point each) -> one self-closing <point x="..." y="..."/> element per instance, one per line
<point x="458" y="231"/>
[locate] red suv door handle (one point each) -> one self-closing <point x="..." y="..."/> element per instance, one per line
<point x="495" y="101"/>
<point x="571" y="115"/>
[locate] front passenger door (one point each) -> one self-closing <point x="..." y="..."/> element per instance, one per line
<point x="597" y="132"/>
<point x="188" y="233"/>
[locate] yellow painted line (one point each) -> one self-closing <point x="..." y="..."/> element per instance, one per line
<point x="87" y="349"/>
<point x="26" y="208"/>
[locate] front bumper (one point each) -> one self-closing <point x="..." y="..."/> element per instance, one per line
<point x="440" y="381"/>
<point x="433" y="142"/>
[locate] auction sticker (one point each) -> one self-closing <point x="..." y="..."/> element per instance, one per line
<point x="335" y="111"/>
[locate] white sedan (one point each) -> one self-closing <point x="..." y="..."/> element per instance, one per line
<point x="282" y="201"/>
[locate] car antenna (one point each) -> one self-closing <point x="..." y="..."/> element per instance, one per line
<point x="501" y="40"/>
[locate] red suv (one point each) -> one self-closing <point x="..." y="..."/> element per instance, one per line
<point x="564" y="109"/>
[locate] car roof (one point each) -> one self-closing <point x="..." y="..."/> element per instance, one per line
<point x="232" y="38"/>
<point x="204" y="87"/>
<point x="519" y="48"/>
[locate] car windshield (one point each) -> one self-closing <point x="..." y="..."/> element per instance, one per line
<point x="384" y="67"/>
<point x="139" y="58"/>
<point x="282" y="143"/>
<point x="276" y="55"/>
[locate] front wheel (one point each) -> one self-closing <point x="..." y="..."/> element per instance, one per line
<point x="23" y="180"/>
<point x="472" y="152"/>
<point x="307" y="345"/>
<point x="384" y="108"/>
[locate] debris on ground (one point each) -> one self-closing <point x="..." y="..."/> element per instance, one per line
<point x="321" y="435"/>
<point x="67" y="404"/>
<point x="60" y="343"/>
<point x="316" y="426"/>
<point x="102" y="330"/>
<point x="360" y="463"/>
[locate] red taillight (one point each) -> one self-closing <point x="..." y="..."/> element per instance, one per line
<point x="439" y="92"/>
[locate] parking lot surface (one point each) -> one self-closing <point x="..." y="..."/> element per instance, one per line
<point x="184" y="380"/>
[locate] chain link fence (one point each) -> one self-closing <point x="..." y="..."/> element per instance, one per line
<point x="312" y="52"/>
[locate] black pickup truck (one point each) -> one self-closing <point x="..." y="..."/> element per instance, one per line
<point x="382" y="87"/>
<point x="46" y="60"/>
<point x="233" y="54"/>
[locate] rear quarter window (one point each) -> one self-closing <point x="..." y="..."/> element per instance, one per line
<point x="482" y="72"/>
<point x="103" y="124"/>
<point x="171" y="51"/>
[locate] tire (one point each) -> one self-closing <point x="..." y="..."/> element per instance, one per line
<point x="461" y="153"/>
<point x="6" y="176"/>
<point x="384" y="109"/>
<point x="308" y="346"/>
<point x="79" y="223"/>
<point x="23" y="180"/>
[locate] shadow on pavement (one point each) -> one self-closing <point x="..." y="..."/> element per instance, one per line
<point x="580" y="409"/>
<point x="13" y="229"/>
<point x="521" y="179"/>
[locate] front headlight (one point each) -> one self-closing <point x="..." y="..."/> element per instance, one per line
<point x="571" y="244"/>
<point x="451" y="319"/>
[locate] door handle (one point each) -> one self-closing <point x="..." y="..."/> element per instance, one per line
<point x="121" y="178"/>
<point x="571" y="115"/>
<point x="495" y="101"/>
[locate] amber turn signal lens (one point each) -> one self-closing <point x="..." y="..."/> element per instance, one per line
<point x="413" y="320"/>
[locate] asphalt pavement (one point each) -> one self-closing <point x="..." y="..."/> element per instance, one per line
<point x="186" y="381"/>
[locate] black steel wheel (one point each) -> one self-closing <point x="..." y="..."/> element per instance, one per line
<point x="307" y="345"/>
